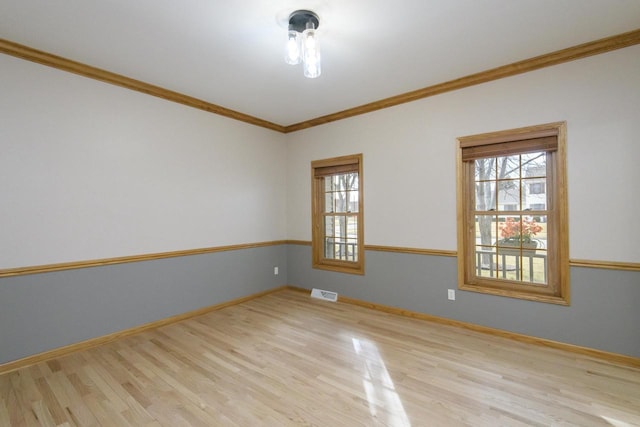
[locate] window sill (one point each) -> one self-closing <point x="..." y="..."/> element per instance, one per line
<point x="549" y="299"/>
<point x="340" y="268"/>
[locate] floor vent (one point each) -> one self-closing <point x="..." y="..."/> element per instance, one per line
<point x="325" y="295"/>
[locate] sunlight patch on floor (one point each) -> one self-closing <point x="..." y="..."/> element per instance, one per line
<point x="383" y="399"/>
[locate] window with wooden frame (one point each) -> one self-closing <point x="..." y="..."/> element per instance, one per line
<point x="512" y="213"/>
<point x="337" y="213"/>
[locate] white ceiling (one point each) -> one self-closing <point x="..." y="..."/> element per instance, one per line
<point x="230" y="52"/>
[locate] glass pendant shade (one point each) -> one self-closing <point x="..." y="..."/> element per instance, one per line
<point x="292" y="53"/>
<point x="310" y="53"/>
<point x="302" y="42"/>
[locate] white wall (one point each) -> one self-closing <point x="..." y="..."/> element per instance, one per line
<point x="90" y="170"/>
<point x="409" y="155"/>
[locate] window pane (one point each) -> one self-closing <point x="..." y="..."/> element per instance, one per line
<point x="329" y="203"/>
<point x="330" y="226"/>
<point x="341" y="237"/>
<point x="340" y="227"/>
<point x="485" y="262"/>
<point x="338" y="183"/>
<point x="508" y="167"/>
<point x="485" y="169"/>
<point x="352" y="227"/>
<point x="510" y="231"/>
<point x="332" y="248"/>
<point x="538" y="226"/>
<point x="351" y="181"/>
<point x="341" y="249"/>
<point x="341" y="193"/>
<point x="534" y="268"/>
<point x="485" y="195"/>
<point x="486" y="230"/>
<point x="535" y="196"/>
<point x="340" y="201"/>
<point x="329" y="183"/>
<point x="352" y="197"/>
<point x="509" y="194"/>
<point x="534" y="164"/>
<point x="485" y="254"/>
<point x="508" y="265"/>
<point x="521" y="230"/>
<point x="351" y="250"/>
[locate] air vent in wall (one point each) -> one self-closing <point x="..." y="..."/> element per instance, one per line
<point x="324" y="295"/>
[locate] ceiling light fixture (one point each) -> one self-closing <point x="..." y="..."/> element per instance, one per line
<point x="302" y="42"/>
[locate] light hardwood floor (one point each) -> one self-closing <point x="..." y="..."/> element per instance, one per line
<point x="286" y="359"/>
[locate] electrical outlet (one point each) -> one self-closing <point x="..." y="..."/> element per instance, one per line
<point x="451" y="294"/>
<point x="275" y="271"/>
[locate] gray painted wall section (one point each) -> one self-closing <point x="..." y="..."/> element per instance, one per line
<point x="41" y="312"/>
<point x="603" y="313"/>
<point x="45" y="311"/>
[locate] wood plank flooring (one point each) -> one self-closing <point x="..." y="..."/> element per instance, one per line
<point x="286" y="359"/>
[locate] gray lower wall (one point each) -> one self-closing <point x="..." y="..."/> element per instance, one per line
<point x="41" y="312"/>
<point x="603" y="313"/>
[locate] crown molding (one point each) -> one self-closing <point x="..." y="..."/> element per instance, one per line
<point x="48" y="59"/>
<point x="547" y="60"/>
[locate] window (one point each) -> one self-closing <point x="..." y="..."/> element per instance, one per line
<point x="337" y="212"/>
<point x="512" y="222"/>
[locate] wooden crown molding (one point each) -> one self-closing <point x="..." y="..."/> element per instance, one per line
<point x="554" y="58"/>
<point x="44" y="58"/>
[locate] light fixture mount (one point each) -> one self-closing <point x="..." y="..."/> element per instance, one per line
<point x="298" y="20"/>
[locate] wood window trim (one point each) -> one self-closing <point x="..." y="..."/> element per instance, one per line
<point x="319" y="170"/>
<point x="557" y="183"/>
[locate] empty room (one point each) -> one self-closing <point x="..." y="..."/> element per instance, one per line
<point x="320" y="213"/>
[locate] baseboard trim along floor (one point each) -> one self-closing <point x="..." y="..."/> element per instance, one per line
<point x="93" y="342"/>
<point x="584" y="351"/>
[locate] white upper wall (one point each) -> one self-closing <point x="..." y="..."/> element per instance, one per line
<point x="90" y="170"/>
<point x="409" y="155"/>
